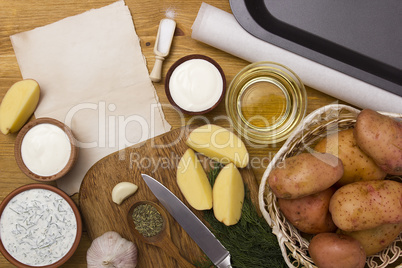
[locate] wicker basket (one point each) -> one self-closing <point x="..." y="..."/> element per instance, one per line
<point x="315" y="126"/>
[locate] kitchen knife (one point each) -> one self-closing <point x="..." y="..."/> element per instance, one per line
<point x="211" y="246"/>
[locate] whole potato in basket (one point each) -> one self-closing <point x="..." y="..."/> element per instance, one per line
<point x="366" y="204"/>
<point x="309" y="214"/>
<point x="305" y="174"/>
<point x="376" y="239"/>
<point x="330" y="250"/>
<point x="357" y="165"/>
<point x="380" y="137"/>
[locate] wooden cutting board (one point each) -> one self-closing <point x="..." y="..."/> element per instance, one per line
<point x="158" y="158"/>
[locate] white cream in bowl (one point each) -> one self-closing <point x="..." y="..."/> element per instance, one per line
<point x="45" y="149"/>
<point x="196" y="85"/>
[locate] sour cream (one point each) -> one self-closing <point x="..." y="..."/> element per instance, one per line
<point x="38" y="227"/>
<point x="196" y="85"/>
<point x="45" y="149"/>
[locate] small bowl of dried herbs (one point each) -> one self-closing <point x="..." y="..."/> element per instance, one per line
<point x="149" y="220"/>
<point x="150" y="224"/>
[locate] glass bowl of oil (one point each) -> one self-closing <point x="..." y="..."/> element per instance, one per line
<point x="265" y="102"/>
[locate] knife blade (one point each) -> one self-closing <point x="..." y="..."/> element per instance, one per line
<point x="194" y="227"/>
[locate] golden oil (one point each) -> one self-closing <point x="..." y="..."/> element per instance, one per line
<point x="265" y="101"/>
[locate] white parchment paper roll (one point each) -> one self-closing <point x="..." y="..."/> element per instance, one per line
<point x="220" y="29"/>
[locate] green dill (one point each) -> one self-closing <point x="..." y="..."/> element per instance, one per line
<point x="213" y="173"/>
<point x="250" y="241"/>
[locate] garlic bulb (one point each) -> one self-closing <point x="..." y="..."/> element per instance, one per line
<point x="112" y="250"/>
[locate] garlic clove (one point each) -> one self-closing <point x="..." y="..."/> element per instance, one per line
<point x="112" y="250"/>
<point x="122" y="191"/>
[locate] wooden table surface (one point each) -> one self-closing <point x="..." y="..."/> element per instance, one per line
<point x="19" y="16"/>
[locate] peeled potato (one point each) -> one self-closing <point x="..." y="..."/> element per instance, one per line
<point x="193" y="182"/>
<point x="228" y="195"/>
<point x="18" y="105"/>
<point x="219" y="144"/>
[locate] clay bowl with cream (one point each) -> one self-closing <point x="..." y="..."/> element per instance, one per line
<point x="40" y="226"/>
<point x="45" y="149"/>
<point x="195" y="84"/>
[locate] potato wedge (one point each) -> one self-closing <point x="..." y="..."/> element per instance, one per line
<point x="193" y="182"/>
<point x="219" y="144"/>
<point x="228" y="195"/>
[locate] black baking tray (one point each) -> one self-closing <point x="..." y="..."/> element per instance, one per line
<point x="361" y="38"/>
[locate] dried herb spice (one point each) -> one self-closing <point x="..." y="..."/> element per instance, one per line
<point x="147" y="219"/>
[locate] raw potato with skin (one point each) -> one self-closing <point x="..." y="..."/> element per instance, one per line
<point x="309" y="214"/>
<point x="376" y="239"/>
<point x="18" y="105"/>
<point x="380" y="137"/>
<point x="357" y="165"/>
<point x="366" y="204"/>
<point x="330" y="250"/>
<point x="305" y="174"/>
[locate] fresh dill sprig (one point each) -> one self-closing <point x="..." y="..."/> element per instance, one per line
<point x="213" y="173"/>
<point x="250" y="241"/>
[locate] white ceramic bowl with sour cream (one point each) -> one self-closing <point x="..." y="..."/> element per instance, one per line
<point x="195" y="84"/>
<point x="45" y="149"/>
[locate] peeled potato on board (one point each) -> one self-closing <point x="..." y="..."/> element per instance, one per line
<point x="219" y="144"/>
<point x="193" y="182"/>
<point x="18" y="105"/>
<point x="228" y="195"/>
